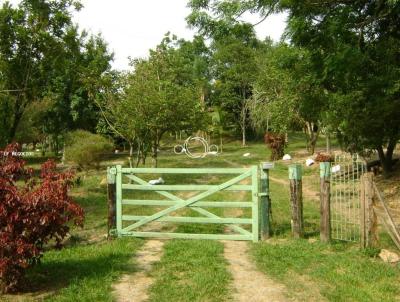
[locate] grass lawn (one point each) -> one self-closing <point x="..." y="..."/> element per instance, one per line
<point x="195" y="270"/>
<point x="341" y="271"/>
<point x="84" y="272"/>
<point x="191" y="270"/>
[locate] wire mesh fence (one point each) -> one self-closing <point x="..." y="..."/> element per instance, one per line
<point x="311" y="184"/>
<point x="345" y="196"/>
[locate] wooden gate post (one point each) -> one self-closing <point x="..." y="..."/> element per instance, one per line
<point x="325" y="202"/>
<point x="111" y="200"/>
<point x="296" y="200"/>
<point x="368" y="217"/>
<point x="265" y="201"/>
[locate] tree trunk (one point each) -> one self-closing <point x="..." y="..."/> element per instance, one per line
<point x="243" y="137"/>
<point x="202" y="98"/>
<point x="243" y="126"/>
<point x="19" y="109"/>
<point x="155" y="156"/>
<point x="311" y="137"/>
<point x="306" y="131"/>
<point x="56" y="145"/>
<point x="130" y="155"/>
<point x="44" y="147"/>
<point x="243" y="116"/>
<point x="156" y="144"/>
<point x="138" y="155"/>
<point x="63" y="155"/>
<point x="313" y="142"/>
<point x="387" y="159"/>
<point x="328" y="143"/>
<point x="13" y="130"/>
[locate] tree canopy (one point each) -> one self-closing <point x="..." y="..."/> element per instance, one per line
<point x="352" y="52"/>
<point x="336" y="69"/>
<point x="162" y="94"/>
<point x="45" y="58"/>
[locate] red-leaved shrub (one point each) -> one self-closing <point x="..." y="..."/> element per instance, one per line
<point x="32" y="212"/>
<point x="276" y="142"/>
<point x="322" y="157"/>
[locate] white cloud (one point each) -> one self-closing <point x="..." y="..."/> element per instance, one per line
<point x="132" y="27"/>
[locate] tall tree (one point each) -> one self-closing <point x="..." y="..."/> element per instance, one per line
<point x="160" y="95"/>
<point x="30" y="44"/>
<point x="192" y="65"/>
<point x="234" y="46"/>
<point x="44" y="56"/>
<point x="286" y="94"/>
<point x="234" y="69"/>
<point x="163" y="101"/>
<point x="354" y="49"/>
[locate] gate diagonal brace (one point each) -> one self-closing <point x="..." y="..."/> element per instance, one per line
<point x="181" y="203"/>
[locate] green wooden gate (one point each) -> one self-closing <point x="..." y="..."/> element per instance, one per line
<point x="129" y="187"/>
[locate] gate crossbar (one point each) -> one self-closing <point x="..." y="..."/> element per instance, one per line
<point x="188" y="202"/>
<point x="198" y="210"/>
<point x="177" y="203"/>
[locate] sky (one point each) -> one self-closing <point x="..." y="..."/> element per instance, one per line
<point x="132" y="27"/>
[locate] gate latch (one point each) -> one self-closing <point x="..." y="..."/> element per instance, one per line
<point x="262" y="194"/>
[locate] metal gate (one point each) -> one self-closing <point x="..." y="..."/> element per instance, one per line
<point x="138" y="203"/>
<point x="345" y="197"/>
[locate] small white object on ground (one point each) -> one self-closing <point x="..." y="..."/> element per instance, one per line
<point x="116" y="151"/>
<point x="335" y="169"/>
<point x="213" y="152"/>
<point x="309" y="162"/>
<point x="246" y="154"/>
<point x="388" y="256"/>
<point x="286" y="157"/>
<point x="159" y="181"/>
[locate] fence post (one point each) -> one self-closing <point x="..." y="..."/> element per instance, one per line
<point x="118" y="198"/>
<point x="265" y="201"/>
<point x="111" y="200"/>
<point x="325" y="201"/>
<point x="368" y="217"/>
<point x="296" y="200"/>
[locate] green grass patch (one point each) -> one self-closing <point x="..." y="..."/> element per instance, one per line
<point x="80" y="272"/>
<point x="191" y="270"/>
<point x="341" y="271"/>
<point x="281" y="213"/>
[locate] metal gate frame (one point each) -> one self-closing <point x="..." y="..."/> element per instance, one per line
<point x="195" y="203"/>
<point x="346" y="197"/>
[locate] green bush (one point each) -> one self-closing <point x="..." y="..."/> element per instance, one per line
<point x="86" y="149"/>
